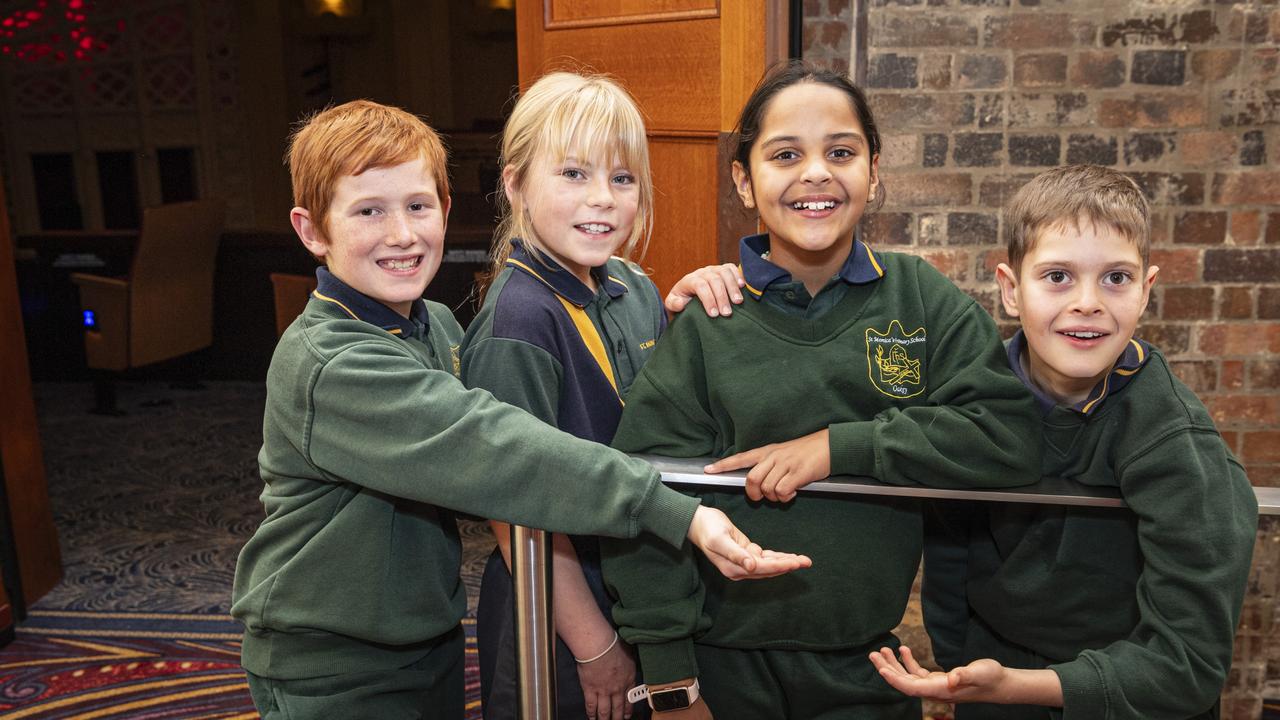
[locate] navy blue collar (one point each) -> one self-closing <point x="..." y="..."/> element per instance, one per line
<point x="362" y="307"/>
<point x="1135" y="355"/>
<point x="564" y="283"/>
<point x="862" y="266"/>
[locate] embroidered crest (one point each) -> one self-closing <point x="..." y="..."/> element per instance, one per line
<point x="895" y="360"/>
<point x="456" y="356"/>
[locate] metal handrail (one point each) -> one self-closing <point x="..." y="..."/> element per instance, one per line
<point x="535" y="630"/>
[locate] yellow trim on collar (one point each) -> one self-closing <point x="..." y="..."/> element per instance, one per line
<point x="876" y="265"/>
<point x="746" y="284"/>
<point x="326" y="298"/>
<point x="591" y="338"/>
<point x="1106" y="382"/>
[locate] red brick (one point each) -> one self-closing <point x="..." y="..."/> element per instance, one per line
<point x="1273" y="229"/>
<point x="1233" y="265"/>
<point x="1259" y="476"/>
<point x="987" y="262"/>
<point x="952" y="263"/>
<point x="1200" y="228"/>
<point x="929" y="31"/>
<point x="1232" y="377"/>
<point x="1172" y="338"/>
<point x="1227" y="339"/>
<point x="923" y="111"/>
<point x="1214" y="64"/>
<point x="996" y="190"/>
<point x="1261" y="447"/>
<point x="935" y="73"/>
<point x="1269" y="303"/>
<point x="1199" y="375"/>
<point x="1040" y="70"/>
<point x="929" y="189"/>
<point x="1231" y="439"/>
<point x="1177" y="266"/>
<point x="1152" y="110"/>
<point x="1097" y="69"/>
<point x="1207" y="147"/>
<point x="1236" y="303"/>
<point x="1187" y="303"/>
<point x="885" y="228"/>
<point x="1027" y="30"/>
<point x="1257" y="187"/>
<point x="1264" y="374"/>
<point x="1243" y="410"/>
<point x="1246" y="227"/>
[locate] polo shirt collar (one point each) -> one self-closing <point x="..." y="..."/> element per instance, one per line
<point x="546" y="270"/>
<point x="862" y="266"/>
<point x="1135" y="355"/>
<point x="362" y="307"/>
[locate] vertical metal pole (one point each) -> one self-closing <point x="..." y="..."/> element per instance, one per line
<point x="535" y="625"/>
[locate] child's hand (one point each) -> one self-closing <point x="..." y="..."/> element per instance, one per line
<point x="605" y="682"/>
<point x="733" y="553"/>
<point x="979" y="681"/>
<point x="781" y="469"/>
<point x="715" y="285"/>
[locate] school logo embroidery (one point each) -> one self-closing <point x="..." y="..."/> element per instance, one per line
<point x="456" y="355"/>
<point x="895" y="360"/>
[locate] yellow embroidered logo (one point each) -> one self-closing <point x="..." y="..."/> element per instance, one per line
<point x="895" y="360"/>
<point x="457" y="360"/>
<point x="648" y="344"/>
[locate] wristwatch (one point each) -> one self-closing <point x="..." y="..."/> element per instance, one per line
<point x="677" y="698"/>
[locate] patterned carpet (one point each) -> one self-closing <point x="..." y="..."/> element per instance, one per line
<point x="152" y="509"/>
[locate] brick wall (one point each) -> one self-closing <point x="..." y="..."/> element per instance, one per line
<point x="974" y="97"/>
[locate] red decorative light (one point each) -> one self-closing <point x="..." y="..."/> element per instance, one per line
<point x="34" y="34"/>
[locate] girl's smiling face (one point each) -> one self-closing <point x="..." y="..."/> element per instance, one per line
<point x="811" y="175"/>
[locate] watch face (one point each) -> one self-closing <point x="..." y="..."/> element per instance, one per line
<point x="674" y="699"/>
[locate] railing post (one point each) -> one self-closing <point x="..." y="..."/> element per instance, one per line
<point x="535" y="625"/>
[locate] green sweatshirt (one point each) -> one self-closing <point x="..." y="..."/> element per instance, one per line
<point x="908" y="373"/>
<point x="1135" y="609"/>
<point x="368" y="437"/>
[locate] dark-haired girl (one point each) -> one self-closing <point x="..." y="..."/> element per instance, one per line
<point x="876" y="363"/>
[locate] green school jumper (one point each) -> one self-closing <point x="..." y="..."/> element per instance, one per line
<point x="908" y="373"/>
<point x="369" y="441"/>
<point x="1135" y="609"/>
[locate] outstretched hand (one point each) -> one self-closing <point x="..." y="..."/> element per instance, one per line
<point x="780" y="469"/>
<point x="979" y="681"/>
<point x="733" y="553"/>
<point x="717" y="287"/>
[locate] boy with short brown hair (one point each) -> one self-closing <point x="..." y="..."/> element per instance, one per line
<point x="1101" y="612"/>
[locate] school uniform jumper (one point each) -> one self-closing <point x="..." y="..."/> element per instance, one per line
<point x="349" y="590"/>
<point x="908" y="373"/>
<point x="545" y="342"/>
<point x="1135" y="609"/>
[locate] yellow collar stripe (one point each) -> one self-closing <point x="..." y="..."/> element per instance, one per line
<point x="592" y="340"/>
<point x="876" y="265"/>
<point x="746" y="284"/>
<point x="1089" y="406"/>
<point x="326" y="298"/>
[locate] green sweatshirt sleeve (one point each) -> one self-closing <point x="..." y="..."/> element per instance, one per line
<point x="517" y="373"/>
<point x="979" y="428"/>
<point x="1197" y="519"/>
<point x="420" y="434"/>
<point x="943" y="600"/>
<point x="660" y="594"/>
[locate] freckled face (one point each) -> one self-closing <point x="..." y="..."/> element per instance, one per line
<point x="811" y="171"/>
<point x="1079" y="295"/>
<point x="385" y="232"/>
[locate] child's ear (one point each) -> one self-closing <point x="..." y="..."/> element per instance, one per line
<point x="875" y="178"/>
<point x="1008" y="280"/>
<point x="742" y="183"/>
<point x="307" y="231"/>
<point x="509" y="184"/>
<point x="1147" y="284"/>
<point x="445" y="204"/>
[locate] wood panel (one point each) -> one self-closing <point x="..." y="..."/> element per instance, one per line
<point x="691" y="64"/>
<point x="34" y="535"/>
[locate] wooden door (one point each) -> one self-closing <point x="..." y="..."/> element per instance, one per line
<point x="35" y="539"/>
<point x="691" y="64"/>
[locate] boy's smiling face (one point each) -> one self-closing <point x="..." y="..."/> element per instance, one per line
<point x="385" y="235"/>
<point x="1079" y="294"/>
